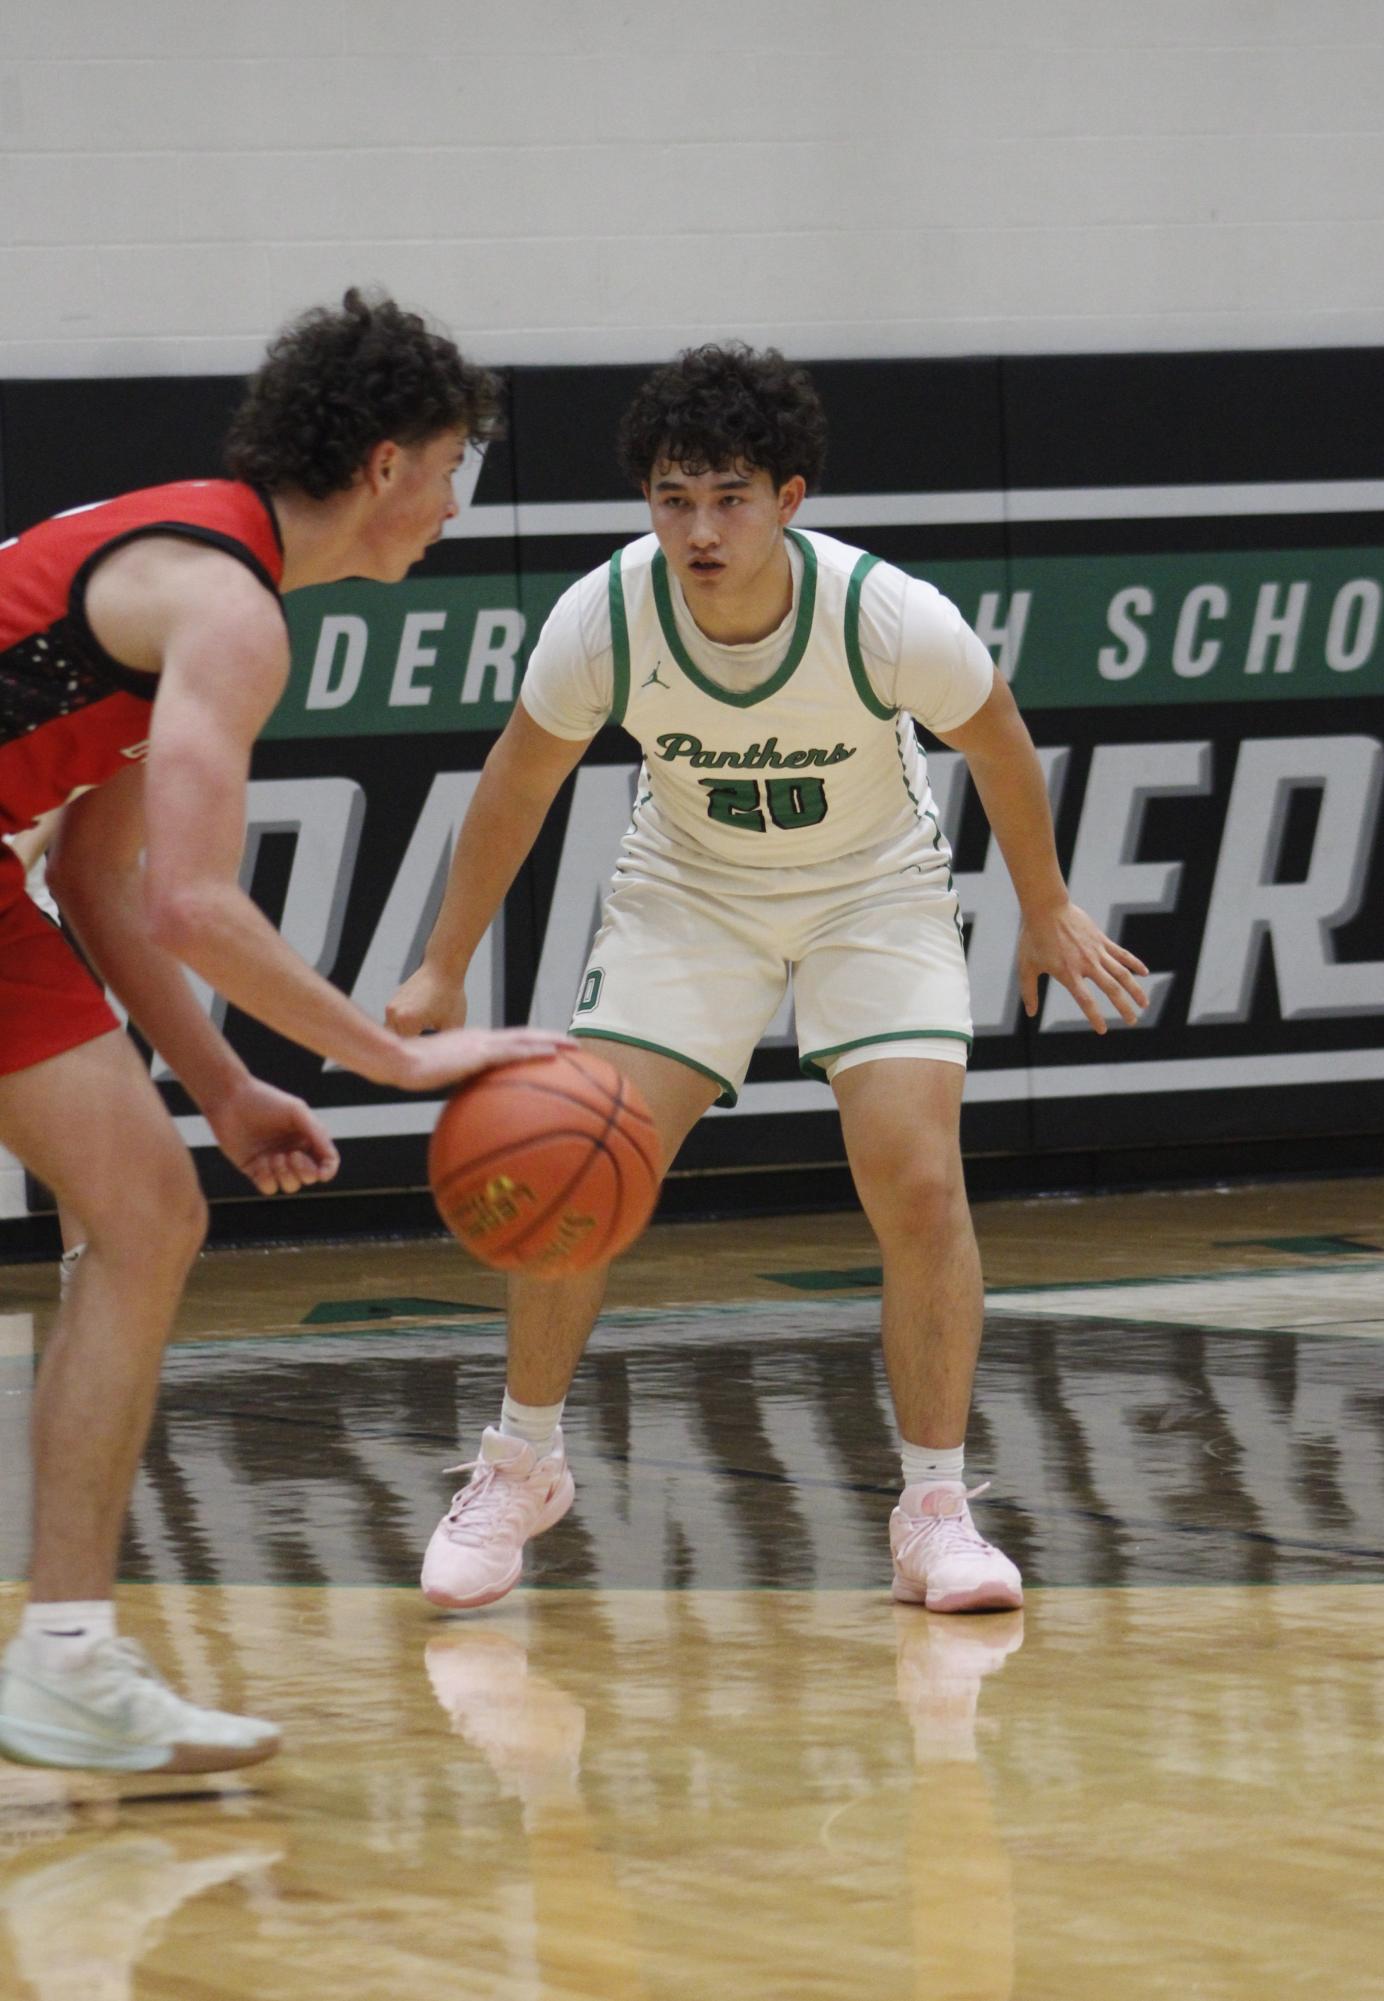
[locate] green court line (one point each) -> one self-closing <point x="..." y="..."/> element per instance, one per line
<point x="862" y="1277"/>
<point x="640" y="1316"/>
<point x="1092" y="1324"/>
<point x="855" y="1276"/>
<point x="338" y="1312"/>
<point x="629" y="1316"/>
<point x="1194" y="1277"/>
<point x="1303" y="1247"/>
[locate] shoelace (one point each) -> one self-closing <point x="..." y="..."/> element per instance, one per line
<point x="954" y="1529"/>
<point x="485" y="1499"/>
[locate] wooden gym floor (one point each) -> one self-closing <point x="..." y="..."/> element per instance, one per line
<point x="701" y="1753"/>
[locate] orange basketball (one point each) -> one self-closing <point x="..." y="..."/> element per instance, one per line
<point x="546" y="1166"/>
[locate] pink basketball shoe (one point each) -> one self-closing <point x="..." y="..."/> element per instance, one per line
<point x="940" y="1558"/>
<point x="477" y="1550"/>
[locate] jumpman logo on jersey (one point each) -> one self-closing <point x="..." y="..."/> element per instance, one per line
<point x="653" y="680"/>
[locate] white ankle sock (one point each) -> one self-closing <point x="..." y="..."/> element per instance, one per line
<point x="925" y="1465"/>
<point x="535" y="1423"/>
<point x="63" y="1634"/>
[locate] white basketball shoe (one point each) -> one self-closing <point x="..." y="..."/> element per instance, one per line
<point x="113" y="1712"/>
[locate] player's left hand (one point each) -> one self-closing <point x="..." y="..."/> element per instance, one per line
<point x="1071" y="948"/>
<point x="274" y="1139"/>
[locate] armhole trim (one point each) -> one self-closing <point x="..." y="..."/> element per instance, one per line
<point x="136" y="680"/>
<point x="854" y="655"/>
<point x="619" y="642"/>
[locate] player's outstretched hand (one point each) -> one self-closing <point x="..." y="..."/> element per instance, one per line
<point x="1071" y="947"/>
<point x="427" y="1000"/>
<point x="274" y="1139"/>
<point x="431" y="1062"/>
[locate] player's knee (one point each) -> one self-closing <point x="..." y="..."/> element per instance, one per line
<point x="182" y="1214"/>
<point x="158" y="1214"/>
<point x="911" y="1193"/>
<point x="188" y="1230"/>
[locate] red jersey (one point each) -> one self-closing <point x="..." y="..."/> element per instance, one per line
<point x="70" y="715"/>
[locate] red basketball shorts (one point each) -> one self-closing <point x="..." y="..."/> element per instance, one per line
<point x="48" y="1000"/>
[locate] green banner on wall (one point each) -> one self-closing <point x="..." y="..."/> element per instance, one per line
<point x="417" y="658"/>
<point x="448" y="653"/>
<point x="1135" y="630"/>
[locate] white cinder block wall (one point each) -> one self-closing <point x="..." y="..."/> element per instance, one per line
<point x="586" y="180"/>
<point x="608" y="180"/>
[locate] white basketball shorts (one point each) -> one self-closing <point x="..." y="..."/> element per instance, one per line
<point x="693" y="958"/>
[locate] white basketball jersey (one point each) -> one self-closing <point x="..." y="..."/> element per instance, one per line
<point x="807" y="767"/>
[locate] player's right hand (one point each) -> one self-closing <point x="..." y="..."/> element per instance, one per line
<point x="432" y="1062"/>
<point x="427" y="1000"/>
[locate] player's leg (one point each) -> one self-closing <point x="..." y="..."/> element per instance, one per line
<point x="90" y="1124"/>
<point x="550" y="1321"/>
<point x="901" y="1119"/>
<point x="901" y="1122"/>
<point x="884" y="1011"/>
<point x="31" y="847"/>
<point x="682" y="980"/>
<point x="521" y="1483"/>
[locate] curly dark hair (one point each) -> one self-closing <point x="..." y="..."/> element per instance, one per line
<point x="715" y="407"/>
<point x="338" y="381"/>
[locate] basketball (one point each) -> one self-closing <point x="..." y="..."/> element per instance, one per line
<point x="547" y="1166"/>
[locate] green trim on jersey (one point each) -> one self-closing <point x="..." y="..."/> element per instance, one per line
<point x="729" y="1094"/>
<point x="619" y="642"/>
<point x="852" y="634"/>
<point x="856" y="661"/>
<point x="925" y="814"/>
<point x="797" y="646"/>
<point x="811" y="1064"/>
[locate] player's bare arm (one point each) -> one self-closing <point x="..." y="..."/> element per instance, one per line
<point x="224" y="652"/>
<point x="96" y="874"/>
<point x="1057" y="936"/>
<point x="522" y="776"/>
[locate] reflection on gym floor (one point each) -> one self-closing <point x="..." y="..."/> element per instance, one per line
<point x="676" y="1794"/>
<point x="702" y="1752"/>
<point x="1122" y="1454"/>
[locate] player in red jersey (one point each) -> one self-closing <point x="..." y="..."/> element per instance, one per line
<point x="142" y="649"/>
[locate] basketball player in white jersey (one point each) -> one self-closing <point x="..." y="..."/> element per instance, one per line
<point x="783" y="826"/>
